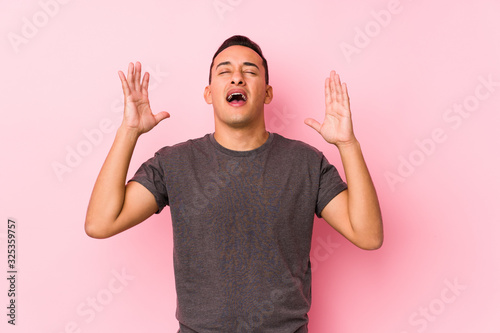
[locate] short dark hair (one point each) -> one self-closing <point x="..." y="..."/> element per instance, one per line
<point x="243" y="41"/>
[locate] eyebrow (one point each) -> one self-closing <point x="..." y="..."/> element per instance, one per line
<point x="246" y="63"/>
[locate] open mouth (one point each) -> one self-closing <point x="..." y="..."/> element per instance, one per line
<point x="236" y="98"/>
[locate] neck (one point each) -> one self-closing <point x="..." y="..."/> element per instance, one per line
<point x="241" y="139"/>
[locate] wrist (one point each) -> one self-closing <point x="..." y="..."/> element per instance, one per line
<point x="128" y="133"/>
<point x="349" y="149"/>
<point x="348" y="145"/>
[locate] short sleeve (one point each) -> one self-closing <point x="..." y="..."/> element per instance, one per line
<point x="330" y="185"/>
<point x="151" y="175"/>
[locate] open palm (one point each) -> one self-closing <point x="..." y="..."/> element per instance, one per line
<point x="138" y="115"/>
<point x="337" y="125"/>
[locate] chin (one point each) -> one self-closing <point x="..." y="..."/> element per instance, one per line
<point x="233" y="118"/>
<point x="238" y="123"/>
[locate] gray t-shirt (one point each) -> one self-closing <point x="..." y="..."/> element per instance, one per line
<point x="242" y="225"/>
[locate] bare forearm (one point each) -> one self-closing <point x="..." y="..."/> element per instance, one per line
<point x="108" y="194"/>
<point x="363" y="205"/>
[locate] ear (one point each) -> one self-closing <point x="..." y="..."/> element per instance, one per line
<point x="269" y="95"/>
<point x="207" y="94"/>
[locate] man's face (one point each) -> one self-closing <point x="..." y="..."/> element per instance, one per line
<point x="238" y="90"/>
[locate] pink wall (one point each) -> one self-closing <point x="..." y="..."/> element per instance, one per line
<point x="424" y="82"/>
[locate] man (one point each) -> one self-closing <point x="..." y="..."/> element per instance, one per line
<point x="242" y="199"/>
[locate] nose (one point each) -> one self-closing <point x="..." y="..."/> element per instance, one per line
<point x="237" y="78"/>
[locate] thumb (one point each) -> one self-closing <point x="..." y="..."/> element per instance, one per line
<point x="313" y="123"/>
<point x="161" y="116"/>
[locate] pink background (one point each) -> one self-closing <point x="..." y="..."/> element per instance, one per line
<point x="410" y="67"/>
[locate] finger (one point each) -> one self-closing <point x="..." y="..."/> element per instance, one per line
<point x="313" y="123"/>
<point x="137" y="74"/>
<point x="338" y="88"/>
<point x="130" y="76"/>
<point x="328" y="95"/>
<point x="333" y="85"/>
<point x="125" y="87"/>
<point x="145" y="83"/>
<point x="161" y="116"/>
<point x="345" y="95"/>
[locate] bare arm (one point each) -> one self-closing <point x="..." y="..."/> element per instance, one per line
<point x="355" y="213"/>
<point x="114" y="207"/>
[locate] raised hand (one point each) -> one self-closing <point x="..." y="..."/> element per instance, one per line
<point x="337" y="125"/>
<point x="138" y="115"/>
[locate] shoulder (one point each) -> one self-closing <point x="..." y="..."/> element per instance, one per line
<point x="187" y="147"/>
<point x="297" y="148"/>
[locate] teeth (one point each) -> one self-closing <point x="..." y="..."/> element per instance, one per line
<point x="236" y="94"/>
